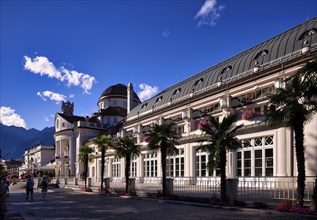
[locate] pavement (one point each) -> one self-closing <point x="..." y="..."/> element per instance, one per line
<point x="73" y="204"/>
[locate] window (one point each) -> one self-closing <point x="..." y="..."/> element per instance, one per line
<point x="115" y="120"/>
<point x="114" y="103"/>
<point x="57" y="123"/>
<point x="179" y="129"/>
<point x="177" y="91"/>
<point x="307" y="34"/>
<point x="150" y="165"/>
<point x="133" y="167"/>
<point x="261" y="54"/>
<point x="175" y="164"/>
<point x="116" y="168"/>
<point x="202" y="159"/>
<point x="144" y="105"/>
<point x="108" y="120"/>
<point x="256" y="157"/>
<point x="159" y="99"/>
<point x="199" y="81"/>
<point x="227" y="69"/>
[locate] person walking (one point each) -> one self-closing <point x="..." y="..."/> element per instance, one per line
<point x="29" y="188"/>
<point x="44" y="186"/>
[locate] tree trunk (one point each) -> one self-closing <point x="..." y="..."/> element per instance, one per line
<point x="103" y="152"/>
<point x="163" y="161"/>
<point x="300" y="157"/>
<point x="127" y="169"/>
<point x="223" y="161"/>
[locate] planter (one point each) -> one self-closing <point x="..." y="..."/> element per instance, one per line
<point x="249" y="114"/>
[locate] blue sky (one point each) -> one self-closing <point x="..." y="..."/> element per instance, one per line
<point x="73" y="50"/>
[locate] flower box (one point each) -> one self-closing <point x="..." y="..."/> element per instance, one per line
<point x="249" y="114"/>
<point x="57" y="157"/>
<point x="146" y="138"/>
<point x="204" y="123"/>
<point x="66" y="156"/>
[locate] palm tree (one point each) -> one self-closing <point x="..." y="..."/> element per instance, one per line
<point x="85" y="157"/>
<point x="162" y="138"/>
<point x="126" y="147"/>
<point x="295" y="105"/>
<point x="103" y="142"/>
<point x="219" y="138"/>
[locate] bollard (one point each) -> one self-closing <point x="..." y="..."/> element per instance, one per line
<point x="76" y="181"/>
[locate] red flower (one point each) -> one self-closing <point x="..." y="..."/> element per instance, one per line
<point x="249" y="114"/>
<point x="57" y="157"/>
<point x="66" y="156"/>
<point x="204" y="123"/>
<point x="146" y="138"/>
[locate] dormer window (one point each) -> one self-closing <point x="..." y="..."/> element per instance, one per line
<point x="199" y="81"/>
<point x="261" y="54"/>
<point x="159" y="99"/>
<point x="177" y="91"/>
<point x="307" y="34"/>
<point x="144" y="105"/>
<point x="227" y="69"/>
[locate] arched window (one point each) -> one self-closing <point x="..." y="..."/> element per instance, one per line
<point x="261" y="54"/>
<point x="199" y="81"/>
<point x="307" y="34"/>
<point x="227" y="69"/>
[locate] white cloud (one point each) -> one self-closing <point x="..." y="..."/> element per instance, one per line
<point x="209" y="13"/>
<point x="41" y="65"/>
<point x="10" y="118"/>
<point x="46" y="119"/>
<point x="87" y="83"/>
<point x="166" y="33"/>
<point x="52" y="96"/>
<point x="147" y="91"/>
<point x="71" y="96"/>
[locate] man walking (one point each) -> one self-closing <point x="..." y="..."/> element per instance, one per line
<point x="29" y="188"/>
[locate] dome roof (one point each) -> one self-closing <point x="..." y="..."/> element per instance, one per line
<point x="118" y="90"/>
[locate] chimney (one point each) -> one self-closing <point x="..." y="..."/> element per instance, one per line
<point x="130" y="98"/>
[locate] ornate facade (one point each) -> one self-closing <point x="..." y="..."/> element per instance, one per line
<point x="239" y="85"/>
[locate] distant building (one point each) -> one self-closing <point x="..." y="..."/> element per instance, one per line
<point x="241" y="84"/>
<point x="11" y="166"/>
<point x="38" y="160"/>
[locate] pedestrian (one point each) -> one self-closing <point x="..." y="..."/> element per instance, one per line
<point x="5" y="188"/>
<point x="8" y="184"/>
<point x="44" y="187"/>
<point x="29" y="188"/>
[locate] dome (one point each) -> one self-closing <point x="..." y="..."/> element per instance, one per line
<point x="118" y="90"/>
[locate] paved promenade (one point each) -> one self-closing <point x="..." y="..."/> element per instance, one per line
<point x="63" y="204"/>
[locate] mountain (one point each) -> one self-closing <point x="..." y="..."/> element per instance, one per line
<point x="15" y="140"/>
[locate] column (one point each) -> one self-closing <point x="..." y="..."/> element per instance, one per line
<point x="110" y="167"/>
<point x="62" y="160"/>
<point x="62" y="168"/>
<point x="281" y="152"/>
<point x="187" y="155"/>
<point x="140" y="168"/>
<point x="159" y="164"/>
<point x="72" y="155"/>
